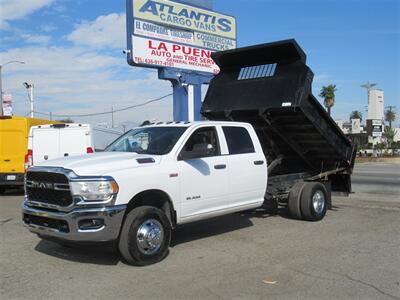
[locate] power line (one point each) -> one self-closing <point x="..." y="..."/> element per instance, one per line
<point x="106" y="112"/>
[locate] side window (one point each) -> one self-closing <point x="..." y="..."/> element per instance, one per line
<point x="238" y="140"/>
<point x="202" y="143"/>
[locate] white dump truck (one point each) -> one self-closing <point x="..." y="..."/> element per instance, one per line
<point x="267" y="142"/>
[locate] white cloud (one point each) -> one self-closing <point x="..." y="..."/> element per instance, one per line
<point x="78" y="81"/>
<point x="36" y="39"/>
<point x="48" y="28"/>
<point x="17" y="9"/>
<point x="104" y="32"/>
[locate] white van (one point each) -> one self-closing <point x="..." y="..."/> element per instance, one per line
<point x="59" y="140"/>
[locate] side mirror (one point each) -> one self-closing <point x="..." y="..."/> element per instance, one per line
<point x="199" y="150"/>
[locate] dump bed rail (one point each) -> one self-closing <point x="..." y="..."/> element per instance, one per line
<point x="269" y="86"/>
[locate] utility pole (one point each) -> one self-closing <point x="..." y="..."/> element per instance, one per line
<point x="112" y="116"/>
<point x="30" y="87"/>
<point x="1" y="82"/>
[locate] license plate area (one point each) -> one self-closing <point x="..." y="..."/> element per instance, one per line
<point x="11" y="177"/>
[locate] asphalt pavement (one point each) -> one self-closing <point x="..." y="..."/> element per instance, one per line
<point x="353" y="253"/>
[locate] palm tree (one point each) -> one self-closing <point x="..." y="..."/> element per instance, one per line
<point x="390" y="116"/>
<point x="389" y="134"/>
<point x="355" y="114"/>
<point x="328" y="93"/>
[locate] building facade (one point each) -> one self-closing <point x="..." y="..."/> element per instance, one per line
<point x="375" y="105"/>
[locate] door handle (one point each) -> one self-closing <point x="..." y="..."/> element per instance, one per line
<point x="219" y="167"/>
<point x="259" y="162"/>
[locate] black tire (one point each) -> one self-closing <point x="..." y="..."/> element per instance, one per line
<point x="129" y="246"/>
<point x="308" y="210"/>
<point x="2" y="190"/>
<point x="294" y="200"/>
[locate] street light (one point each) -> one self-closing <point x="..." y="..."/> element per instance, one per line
<point x="30" y="87"/>
<point x="1" y="82"/>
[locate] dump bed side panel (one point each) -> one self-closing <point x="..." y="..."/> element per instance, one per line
<point x="269" y="86"/>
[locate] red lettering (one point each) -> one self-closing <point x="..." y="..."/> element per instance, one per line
<point x="196" y="52"/>
<point x="176" y="48"/>
<point x="151" y="45"/>
<point x="205" y="53"/>
<point x="162" y="46"/>
<point x="186" y="50"/>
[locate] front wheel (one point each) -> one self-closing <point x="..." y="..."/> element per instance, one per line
<point x="145" y="236"/>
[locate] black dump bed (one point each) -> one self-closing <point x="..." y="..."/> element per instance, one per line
<point x="269" y="86"/>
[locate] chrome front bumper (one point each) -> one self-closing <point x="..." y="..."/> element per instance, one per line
<point x="111" y="217"/>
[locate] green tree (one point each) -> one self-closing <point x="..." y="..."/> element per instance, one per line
<point x="328" y="93"/>
<point x="389" y="135"/>
<point x="390" y="116"/>
<point x="355" y="114"/>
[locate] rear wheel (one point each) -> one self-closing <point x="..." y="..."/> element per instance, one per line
<point x="313" y="201"/>
<point x="2" y="190"/>
<point x="294" y="200"/>
<point x="145" y="236"/>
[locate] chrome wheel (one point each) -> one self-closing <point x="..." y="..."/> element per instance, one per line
<point x="318" y="201"/>
<point x="150" y="236"/>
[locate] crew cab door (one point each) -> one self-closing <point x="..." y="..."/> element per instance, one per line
<point x="203" y="174"/>
<point x="246" y="166"/>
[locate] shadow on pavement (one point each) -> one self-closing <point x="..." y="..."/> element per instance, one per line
<point x="98" y="255"/>
<point x="216" y="226"/>
<point x="108" y="254"/>
<point x="13" y="192"/>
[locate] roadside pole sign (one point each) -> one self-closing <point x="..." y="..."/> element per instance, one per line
<point x="375" y="128"/>
<point x="355" y="125"/>
<point x="7" y="105"/>
<point x="168" y="34"/>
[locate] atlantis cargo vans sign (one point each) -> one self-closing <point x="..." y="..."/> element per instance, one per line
<point x="186" y="17"/>
<point x="163" y="33"/>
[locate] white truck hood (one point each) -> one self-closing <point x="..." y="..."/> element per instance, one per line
<point x="101" y="163"/>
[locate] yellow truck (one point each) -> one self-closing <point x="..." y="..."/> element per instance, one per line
<point x="14" y="156"/>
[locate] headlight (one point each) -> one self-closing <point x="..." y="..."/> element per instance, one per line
<point x="94" y="190"/>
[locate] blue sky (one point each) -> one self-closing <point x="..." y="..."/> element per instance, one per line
<point x="73" y="52"/>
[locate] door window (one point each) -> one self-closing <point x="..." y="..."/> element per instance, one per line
<point x="238" y="140"/>
<point x="202" y="143"/>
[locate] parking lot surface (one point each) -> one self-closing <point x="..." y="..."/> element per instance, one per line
<point x="352" y="254"/>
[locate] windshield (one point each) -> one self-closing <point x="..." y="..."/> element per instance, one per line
<point x="148" y="140"/>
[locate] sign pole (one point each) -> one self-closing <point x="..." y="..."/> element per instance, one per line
<point x="186" y="92"/>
